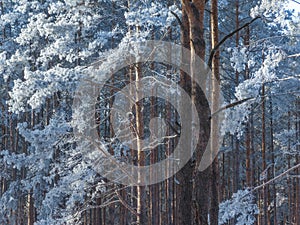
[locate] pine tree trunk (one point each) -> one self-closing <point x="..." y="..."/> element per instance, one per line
<point x="214" y="186"/>
<point x="141" y="195"/>
<point x="237" y="143"/>
<point x="263" y="151"/>
<point x="248" y="129"/>
<point x="184" y="187"/>
<point x="297" y="179"/>
<point x="30" y="200"/>
<point x="273" y="162"/>
<point x="195" y="12"/>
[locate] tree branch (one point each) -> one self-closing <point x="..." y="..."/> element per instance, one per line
<point x="276" y="178"/>
<point x="208" y="11"/>
<point x="295" y="55"/>
<point x="213" y="51"/>
<point x="252" y="98"/>
<point x="177" y="18"/>
<point x="272" y="180"/>
<point x="125" y="204"/>
<point x="296" y="2"/>
<point x="231" y="105"/>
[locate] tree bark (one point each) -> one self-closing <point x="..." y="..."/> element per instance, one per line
<point x="184" y="187"/>
<point x="248" y="129"/>
<point x="297" y="179"/>
<point x="263" y="151"/>
<point x="273" y="162"/>
<point x="195" y="14"/>
<point x="141" y="195"/>
<point x="215" y="95"/>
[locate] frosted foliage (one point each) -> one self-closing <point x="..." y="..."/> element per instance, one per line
<point x="275" y="9"/>
<point x="265" y="73"/>
<point x="235" y="119"/>
<point x="267" y="7"/>
<point x="9" y="201"/>
<point x="50" y="63"/>
<point x="73" y="2"/>
<point x="39" y="85"/>
<point x="250" y="88"/>
<point x="44" y="138"/>
<point x="71" y="188"/>
<point x="238" y="58"/>
<point x="285" y="140"/>
<point x="16" y="160"/>
<point x="3" y="67"/>
<point x="241" y="207"/>
<point x="48" y="46"/>
<point x="75" y="174"/>
<point x="143" y="17"/>
<point x="154" y="15"/>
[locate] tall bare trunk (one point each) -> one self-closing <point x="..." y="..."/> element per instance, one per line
<point x="237" y="76"/>
<point x="141" y="195"/>
<point x="273" y="162"/>
<point x="248" y="128"/>
<point x="30" y="200"/>
<point x="297" y="180"/>
<point x="263" y="152"/>
<point x="214" y="186"/>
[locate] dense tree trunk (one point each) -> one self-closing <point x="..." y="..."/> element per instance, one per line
<point x="184" y="187"/>
<point x="200" y="199"/>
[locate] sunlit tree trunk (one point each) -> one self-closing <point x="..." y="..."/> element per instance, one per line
<point x="263" y="152"/>
<point x="195" y="15"/>
<point x="214" y="178"/>
<point x="141" y="195"/>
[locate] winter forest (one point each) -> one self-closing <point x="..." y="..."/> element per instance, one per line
<point x="57" y="168"/>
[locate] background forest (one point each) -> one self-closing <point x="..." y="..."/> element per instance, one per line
<point x="253" y="49"/>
